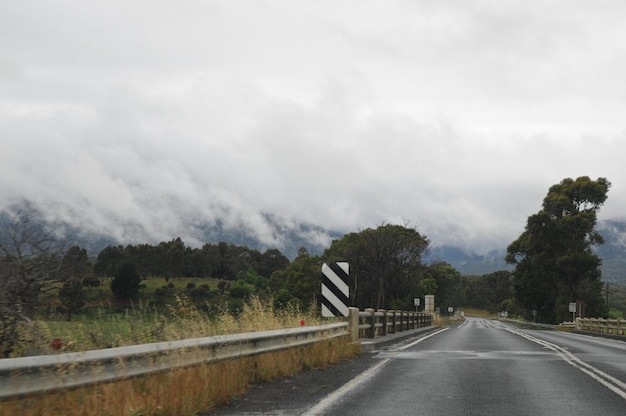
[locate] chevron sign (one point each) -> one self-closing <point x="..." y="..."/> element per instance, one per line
<point x="335" y="289"/>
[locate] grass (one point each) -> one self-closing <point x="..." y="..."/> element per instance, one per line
<point x="479" y="313"/>
<point x="182" y="320"/>
<point x="185" y="391"/>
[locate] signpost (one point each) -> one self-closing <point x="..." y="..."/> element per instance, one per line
<point x="572" y="309"/>
<point x="416" y="302"/>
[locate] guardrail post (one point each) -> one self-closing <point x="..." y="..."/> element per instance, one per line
<point x="371" y="332"/>
<point x="401" y="315"/>
<point x="353" y="324"/>
<point x="391" y="329"/>
<point x="383" y="330"/>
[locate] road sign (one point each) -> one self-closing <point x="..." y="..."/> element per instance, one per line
<point x="335" y="289"/>
<point x="416" y="302"/>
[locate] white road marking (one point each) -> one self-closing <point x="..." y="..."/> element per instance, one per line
<point x="359" y="380"/>
<point x="616" y="386"/>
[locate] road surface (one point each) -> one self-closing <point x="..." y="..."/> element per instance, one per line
<point x="484" y="367"/>
<point x="477" y="367"/>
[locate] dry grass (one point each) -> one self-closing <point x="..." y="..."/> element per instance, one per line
<point x="480" y="313"/>
<point x="197" y="389"/>
<point x="181" y="392"/>
<point x="141" y="325"/>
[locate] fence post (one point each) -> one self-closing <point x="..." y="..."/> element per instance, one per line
<point x="371" y="332"/>
<point x="383" y="330"/>
<point x="391" y="329"/>
<point x="353" y="324"/>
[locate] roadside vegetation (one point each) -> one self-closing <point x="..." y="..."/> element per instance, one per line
<point x="190" y="391"/>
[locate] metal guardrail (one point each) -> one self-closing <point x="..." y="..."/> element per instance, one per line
<point x="46" y="373"/>
<point x="28" y="375"/>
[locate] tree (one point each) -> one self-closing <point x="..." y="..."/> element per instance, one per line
<point x="553" y="257"/>
<point x="109" y="260"/>
<point x="75" y="264"/>
<point x="449" y="284"/>
<point x="385" y="265"/>
<point x="72" y="297"/>
<point x="300" y="283"/>
<point x="126" y="282"/>
<point x="489" y="291"/>
<point x="74" y="269"/>
<point x="29" y="246"/>
<point x="270" y="261"/>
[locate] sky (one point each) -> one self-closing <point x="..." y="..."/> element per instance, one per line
<point x="143" y="119"/>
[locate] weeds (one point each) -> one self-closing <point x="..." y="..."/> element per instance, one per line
<point x="185" y="391"/>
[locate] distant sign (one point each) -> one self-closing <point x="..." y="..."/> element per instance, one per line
<point x="572" y="307"/>
<point x="416" y="302"/>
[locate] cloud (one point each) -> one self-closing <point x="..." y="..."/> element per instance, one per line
<point x="145" y="120"/>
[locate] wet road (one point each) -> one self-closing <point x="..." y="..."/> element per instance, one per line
<point x="485" y="367"/>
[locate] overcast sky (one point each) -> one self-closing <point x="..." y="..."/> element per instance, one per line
<point x="143" y="118"/>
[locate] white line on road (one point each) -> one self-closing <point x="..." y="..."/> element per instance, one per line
<point x="616" y="386"/>
<point x="359" y="380"/>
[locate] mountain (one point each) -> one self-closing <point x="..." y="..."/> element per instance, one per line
<point x="291" y="236"/>
<point x="613" y="251"/>
<point x="314" y="238"/>
<point x="469" y="263"/>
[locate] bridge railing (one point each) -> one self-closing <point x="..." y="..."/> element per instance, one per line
<point x="28" y="375"/>
<point x="381" y="322"/>
<point x="604" y="326"/>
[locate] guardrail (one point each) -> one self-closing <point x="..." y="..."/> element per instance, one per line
<point x="40" y="374"/>
<point x="27" y="375"/>
<point x="382" y="322"/>
<point x="604" y="326"/>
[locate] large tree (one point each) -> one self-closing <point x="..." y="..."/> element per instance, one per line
<point x="126" y="282"/>
<point x="553" y="257"/>
<point x="385" y="265"/>
<point x="75" y="269"/>
<point x="449" y="288"/>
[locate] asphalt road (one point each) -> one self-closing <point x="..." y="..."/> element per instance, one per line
<point x="477" y="367"/>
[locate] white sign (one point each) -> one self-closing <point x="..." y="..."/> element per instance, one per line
<point x="572" y="307"/>
<point x="416" y="302"/>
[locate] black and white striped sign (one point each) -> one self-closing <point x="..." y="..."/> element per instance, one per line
<point x="335" y="289"/>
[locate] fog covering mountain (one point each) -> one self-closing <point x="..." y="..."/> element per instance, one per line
<point x="316" y="239"/>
